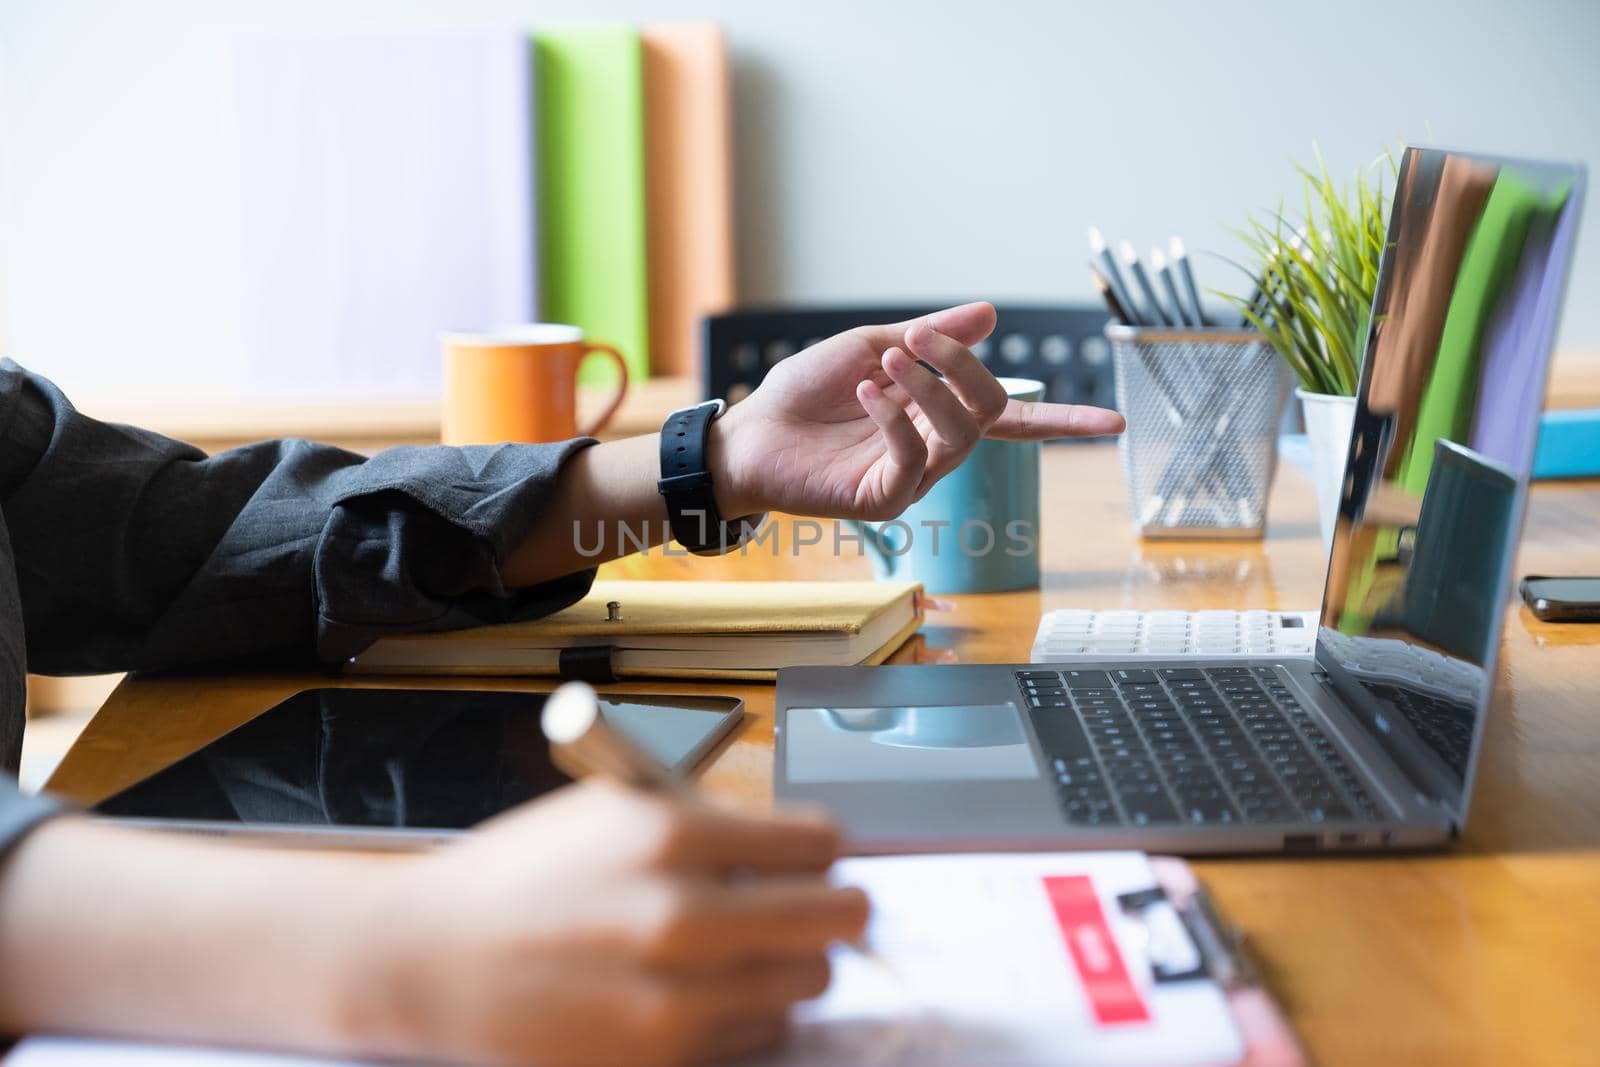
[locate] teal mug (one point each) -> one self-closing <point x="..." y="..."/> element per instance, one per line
<point x="977" y="530"/>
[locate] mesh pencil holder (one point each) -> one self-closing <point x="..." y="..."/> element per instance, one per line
<point x="1201" y="447"/>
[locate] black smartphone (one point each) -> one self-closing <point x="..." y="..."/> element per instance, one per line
<point x="1562" y="599"/>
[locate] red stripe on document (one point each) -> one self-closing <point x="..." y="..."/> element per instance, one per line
<point x="1106" y="982"/>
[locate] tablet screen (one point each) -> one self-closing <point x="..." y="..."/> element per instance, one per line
<point x="399" y="758"/>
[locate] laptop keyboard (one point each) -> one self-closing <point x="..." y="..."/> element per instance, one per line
<point x="1190" y="745"/>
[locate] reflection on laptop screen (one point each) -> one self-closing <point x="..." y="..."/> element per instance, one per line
<point x="1464" y="319"/>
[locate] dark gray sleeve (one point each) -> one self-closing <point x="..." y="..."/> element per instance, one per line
<point x="20" y="813"/>
<point x="136" y="551"/>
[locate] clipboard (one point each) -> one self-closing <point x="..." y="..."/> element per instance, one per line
<point x="1039" y="960"/>
<point x="1269" y="1039"/>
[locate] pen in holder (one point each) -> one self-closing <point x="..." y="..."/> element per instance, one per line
<point x="1203" y="407"/>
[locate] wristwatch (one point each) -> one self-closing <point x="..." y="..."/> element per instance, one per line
<point x="685" y="485"/>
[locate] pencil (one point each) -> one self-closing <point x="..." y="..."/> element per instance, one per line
<point x="1180" y="263"/>
<point x="1108" y="268"/>
<point x="1130" y="259"/>
<point x="1158" y="263"/>
<point x="1118" y="312"/>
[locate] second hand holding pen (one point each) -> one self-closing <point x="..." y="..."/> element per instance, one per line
<point x="583" y="742"/>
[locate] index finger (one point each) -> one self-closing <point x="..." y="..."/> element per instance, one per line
<point x="1035" y="420"/>
<point x="718" y="925"/>
<point x="713" y="839"/>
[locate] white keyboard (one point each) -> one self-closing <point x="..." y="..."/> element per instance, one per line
<point x="1073" y="632"/>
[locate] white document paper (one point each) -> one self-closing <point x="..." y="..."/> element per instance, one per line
<point x="977" y="971"/>
<point x="90" y="1052"/>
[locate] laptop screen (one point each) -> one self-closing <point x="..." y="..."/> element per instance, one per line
<point x="1447" y="416"/>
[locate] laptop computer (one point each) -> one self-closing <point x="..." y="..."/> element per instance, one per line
<point x="1371" y="743"/>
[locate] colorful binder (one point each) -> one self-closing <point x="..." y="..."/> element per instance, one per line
<point x="387" y="184"/>
<point x="689" y="168"/>
<point x="591" y="189"/>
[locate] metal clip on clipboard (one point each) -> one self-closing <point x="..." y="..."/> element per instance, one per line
<point x="1191" y="941"/>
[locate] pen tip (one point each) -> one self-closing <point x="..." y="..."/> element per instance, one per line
<point x="1157" y="260"/>
<point x="1097" y="240"/>
<point x="1128" y="254"/>
<point x="1177" y="248"/>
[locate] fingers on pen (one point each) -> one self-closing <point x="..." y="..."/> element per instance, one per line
<point x="710" y="839"/>
<point x="708" y="927"/>
<point x="765" y="987"/>
<point x="1025" y="420"/>
<point x="738" y="1041"/>
<point x="738" y="1012"/>
<point x="978" y="389"/>
<point x="955" y="424"/>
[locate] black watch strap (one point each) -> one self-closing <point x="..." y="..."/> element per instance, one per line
<point x="685" y="484"/>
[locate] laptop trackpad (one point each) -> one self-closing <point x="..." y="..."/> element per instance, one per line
<point x="923" y="743"/>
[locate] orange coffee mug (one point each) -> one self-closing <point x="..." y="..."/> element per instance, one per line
<point x="519" y="384"/>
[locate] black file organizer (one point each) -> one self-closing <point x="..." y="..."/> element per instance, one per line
<point x="1062" y="345"/>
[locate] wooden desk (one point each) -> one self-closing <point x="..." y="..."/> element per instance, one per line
<point x="1486" y="954"/>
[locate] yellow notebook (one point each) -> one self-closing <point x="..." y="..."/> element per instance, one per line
<point x="676" y="630"/>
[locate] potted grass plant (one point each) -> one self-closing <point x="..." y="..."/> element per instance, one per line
<point x="1314" y="283"/>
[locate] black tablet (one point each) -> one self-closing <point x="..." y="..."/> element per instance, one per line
<point x="393" y="767"/>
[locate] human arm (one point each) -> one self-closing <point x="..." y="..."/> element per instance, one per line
<point x="686" y="939"/>
<point x="854" y="427"/>
<point x="136" y="551"/>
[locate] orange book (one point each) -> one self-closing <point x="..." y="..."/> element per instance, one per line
<point x="688" y="141"/>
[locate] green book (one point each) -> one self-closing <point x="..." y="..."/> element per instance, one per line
<point x="592" y="267"/>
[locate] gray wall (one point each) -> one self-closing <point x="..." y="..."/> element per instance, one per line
<point x="886" y="151"/>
